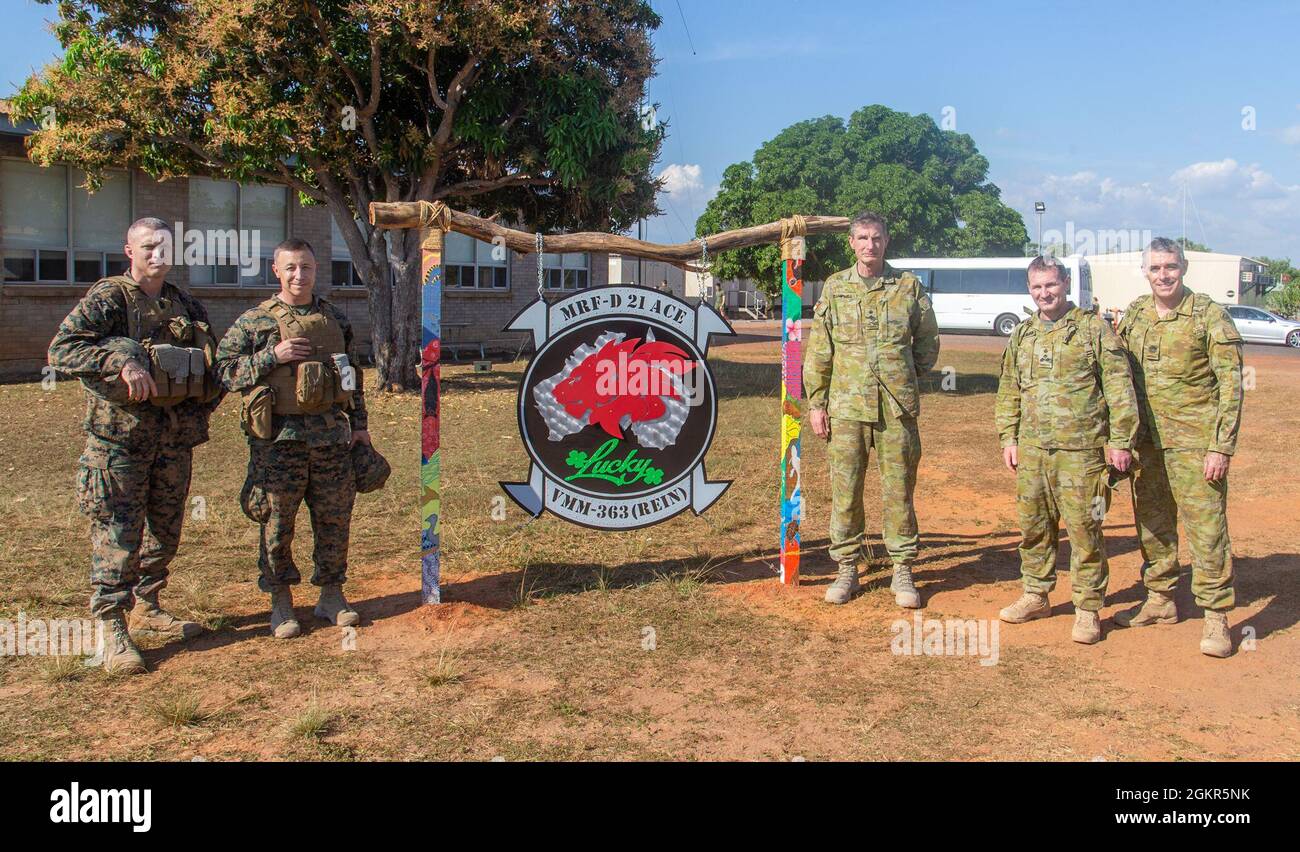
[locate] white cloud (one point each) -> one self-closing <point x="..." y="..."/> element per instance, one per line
<point x="681" y="181"/>
<point x="1232" y="207"/>
<point x="1291" y="135"/>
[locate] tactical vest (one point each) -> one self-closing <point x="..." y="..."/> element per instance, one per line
<point x="181" y="351"/>
<point x="315" y="384"/>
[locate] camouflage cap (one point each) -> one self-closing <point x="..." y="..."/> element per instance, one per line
<point x="370" y="468"/>
<point x="112" y="389"/>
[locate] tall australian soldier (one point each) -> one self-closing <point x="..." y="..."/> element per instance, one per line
<point x="1066" y="413"/>
<point x="1186" y="356"/>
<point x="873" y="333"/>
<point x="144" y="351"/>
<point x="292" y="357"/>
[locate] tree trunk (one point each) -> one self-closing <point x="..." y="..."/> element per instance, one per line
<point x="395" y="309"/>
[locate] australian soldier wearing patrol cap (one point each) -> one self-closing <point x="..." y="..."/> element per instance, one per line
<point x="293" y="360"/>
<point x="873" y="333"/>
<point x="144" y="351"/>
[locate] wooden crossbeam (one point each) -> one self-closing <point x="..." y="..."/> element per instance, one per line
<point x="412" y="214"/>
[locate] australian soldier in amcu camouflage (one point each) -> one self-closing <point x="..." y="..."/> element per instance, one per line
<point x="1066" y="413"/>
<point x="144" y="350"/>
<point x="293" y="360"/>
<point x="873" y="333"/>
<point x="1186" y="356"/>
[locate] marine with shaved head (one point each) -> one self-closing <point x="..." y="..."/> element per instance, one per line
<point x="144" y="351"/>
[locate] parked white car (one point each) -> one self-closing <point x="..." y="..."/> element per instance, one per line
<point x="1257" y="325"/>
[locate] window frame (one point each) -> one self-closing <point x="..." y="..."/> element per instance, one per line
<point x="547" y="269"/>
<point x="70" y="249"/>
<point x="266" y="276"/>
<point x="477" y="266"/>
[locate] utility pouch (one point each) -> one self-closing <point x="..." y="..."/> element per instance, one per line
<point x="255" y="413"/>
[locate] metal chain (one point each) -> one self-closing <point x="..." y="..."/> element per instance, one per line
<point x="704" y="252"/>
<point x="540" y="271"/>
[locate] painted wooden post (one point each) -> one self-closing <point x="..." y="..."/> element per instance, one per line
<point x="431" y="238"/>
<point x="792" y="257"/>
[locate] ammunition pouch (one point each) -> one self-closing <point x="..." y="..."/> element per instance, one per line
<point x="255" y="413"/>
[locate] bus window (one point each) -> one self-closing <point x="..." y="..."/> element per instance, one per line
<point x="985" y="281"/>
<point x="946" y="281"/>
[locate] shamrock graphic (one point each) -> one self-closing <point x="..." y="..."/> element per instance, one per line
<point x="653" y="476"/>
<point x="576" y="458"/>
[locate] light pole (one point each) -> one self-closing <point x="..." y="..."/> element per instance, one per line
<point x="1039" y="209"/>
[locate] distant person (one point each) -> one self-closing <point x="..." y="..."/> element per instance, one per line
<point x="1066" y="412"/>
<point x="1186" y="356"/>
<point x="873" y="333"/>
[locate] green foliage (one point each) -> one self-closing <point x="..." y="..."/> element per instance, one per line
<point x="930" y="184"/>
<point x="1192" y="245"/>
<point x="523" y="109"/>
<point x="1284" y="299"/>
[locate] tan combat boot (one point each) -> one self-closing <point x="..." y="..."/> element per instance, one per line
<point x="333" y="607"/>
<point x="1029" y="606"/>
<point x="1087" y="627"/>
<point x="1216" y="641"/>
<point x="904" y="589"/>
<point x="284" y="624"/>
<point x="1158" y="608"/>
<point x="117" y="653"/>
<point x="845" y="586"/>
<point x="149" y="617"/>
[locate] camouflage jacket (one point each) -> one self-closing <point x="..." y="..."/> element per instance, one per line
<point x="1187" y="370"/>
<point x="1067" y="387"/>
<point x="247" y="354"/>
<point x="82" y="348"/>
<point x="868" y="335"/>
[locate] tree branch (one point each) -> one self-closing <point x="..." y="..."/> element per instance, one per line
<point x="478" y="187"/>
<point x="433" y="76"/>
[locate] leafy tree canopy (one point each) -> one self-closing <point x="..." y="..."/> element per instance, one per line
<point x="930" y="184"/>
<point x="527" y="108"/>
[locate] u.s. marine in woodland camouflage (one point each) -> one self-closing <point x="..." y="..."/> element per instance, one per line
<point x="143" y="349"/>
<point x="1065" y="411"/>
<point x="1186" y="355"/>
<point x="303" y="410"/>
<point x="873" y="333"/>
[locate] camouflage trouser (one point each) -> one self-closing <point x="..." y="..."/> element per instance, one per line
<point x="281" y="474"/>
<point x="898" y="452"/>
<point x="1063" y="485"/>
<point x="136" y="503"/>
<point x="1169" y="483"/>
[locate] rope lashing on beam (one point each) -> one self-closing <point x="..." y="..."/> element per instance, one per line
<point x="793" y="231"/>
<point x="435" y="214"/>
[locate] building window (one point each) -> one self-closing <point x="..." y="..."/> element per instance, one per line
<point x="343" y="273"/>
<point x="473" y="264"/>
<point x="567" y="271"/>
<point x="233" y="221"/>
<point x="54" y="231"/>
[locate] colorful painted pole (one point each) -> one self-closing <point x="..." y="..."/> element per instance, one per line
<point x="792" y="257"/>
<point x="431" y="236"/>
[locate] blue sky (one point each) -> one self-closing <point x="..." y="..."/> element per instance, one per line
<point x="1104" y="110"/>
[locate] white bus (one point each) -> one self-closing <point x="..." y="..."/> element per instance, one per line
<point x="987" y="293"/>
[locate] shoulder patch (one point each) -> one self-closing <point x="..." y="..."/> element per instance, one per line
<point x="1223" y="330"/>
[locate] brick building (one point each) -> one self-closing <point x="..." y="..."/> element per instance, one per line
<point x="56" y="240"/>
